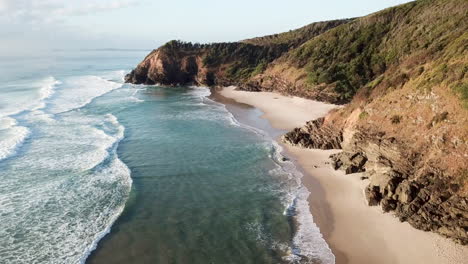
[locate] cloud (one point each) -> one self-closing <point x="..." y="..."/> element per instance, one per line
<point x="49" y="11"/>
<point x="27" y="26"/>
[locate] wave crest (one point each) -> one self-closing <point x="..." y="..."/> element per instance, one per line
<point x="78" y="92"/>
<point x="12" y="137"/>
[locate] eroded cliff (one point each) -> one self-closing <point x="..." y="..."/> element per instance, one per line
<point x="221" y="64"/>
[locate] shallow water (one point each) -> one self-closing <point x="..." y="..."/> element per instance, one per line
<point x="183" y="181"/>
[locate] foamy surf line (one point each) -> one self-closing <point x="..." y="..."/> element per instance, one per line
<point x="13" y="138"/>
<point x="111" y="168"/>
<point x="43" y="89"/>
<point x="308" y="241"/>
<point x="47" y="89"/>
<point x="78" y="92"/>
<point x="121" y="167"/>
<point x="112" y="219"/>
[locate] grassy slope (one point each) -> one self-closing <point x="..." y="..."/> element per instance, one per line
<point x="369" y="51"/>
<point x="245" y="59"/>
<point x="403" y="73"/>
<point x="404" y="68"/>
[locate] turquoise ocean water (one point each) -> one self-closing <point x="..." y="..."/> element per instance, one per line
<point x="93" y="170"/>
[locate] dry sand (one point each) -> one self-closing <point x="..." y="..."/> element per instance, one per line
<point x="356" y="233"/>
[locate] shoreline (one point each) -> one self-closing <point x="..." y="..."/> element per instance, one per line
<point x="355" y="232"/>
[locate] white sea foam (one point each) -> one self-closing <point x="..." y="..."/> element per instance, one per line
<point x="60" y="215"/>
<point x="73" y="185"/>
<point x="12" y="136"/>
<point x="85" y="141"/>
<point x="200" y="91"/>
<point x="117" y="168"/>
<point x="133" y="97"/>
<point x="62" y="221"/>
<point x="77" y="92"/>
<point x="115" y="76"/>
<point x="7" y="122"/>
<point x="308" y="242"/>
<point x="47" y="89"/>
<point x="39" y="116"/>
<point x="265" y="239"/>
<point x="28" y="96"/>
<point x="11" y="139"/>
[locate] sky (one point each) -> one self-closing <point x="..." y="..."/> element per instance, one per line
<point x="31" y="26"/>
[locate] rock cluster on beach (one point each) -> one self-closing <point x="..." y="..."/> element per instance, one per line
<point x="401" y="74"/>
<point x="399" y="179"/>
<point x="315" y="135"/>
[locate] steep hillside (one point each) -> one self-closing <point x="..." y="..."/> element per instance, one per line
<point x="295" y="38"/>
<point x="370" y="52"/>
<point x="221" y="64"/>
<point x="179" y="63"/>
<point x="406" y="127"/>
<point x="402" y="73"/>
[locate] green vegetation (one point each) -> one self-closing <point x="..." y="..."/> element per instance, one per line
<point x="363" y="115"/>
<point x="260" y="68"/>
<point x="294" y="38"/>
<point x="250" y="57"/>
<point x="243" y="59"/>
<point x="370" y="50"/>
<point x="375" y="82"/>
<point x="462" y="90"/>
<point x="343" y="58"/>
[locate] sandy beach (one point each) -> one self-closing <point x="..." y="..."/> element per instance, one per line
<point x="356" y="233"/>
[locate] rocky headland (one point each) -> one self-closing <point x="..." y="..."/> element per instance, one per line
<point x="401" y="75"/>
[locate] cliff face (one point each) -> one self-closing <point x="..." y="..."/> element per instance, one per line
<point x="416" y="166"/>
<point x="179" y="63"/>
<point x="402" y="74"/>
<point x="170" y="65"/>
<point x="221" y="64"/>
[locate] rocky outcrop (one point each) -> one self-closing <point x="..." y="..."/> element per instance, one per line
<point x="217" y="64"/>
<point x="172" y="64"/>
<point x="349" y="162"/>
<point x="315" y="134"/>
<point x="399" y="179"/>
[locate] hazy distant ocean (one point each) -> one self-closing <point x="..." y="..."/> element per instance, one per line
<point x="168" y="172"/>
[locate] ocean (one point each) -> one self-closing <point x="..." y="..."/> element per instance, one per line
<point x="93" y="170"/>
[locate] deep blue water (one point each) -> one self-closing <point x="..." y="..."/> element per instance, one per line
<point x="169" y="172"/>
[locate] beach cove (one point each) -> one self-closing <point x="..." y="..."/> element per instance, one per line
<point x="355" y="232"/>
